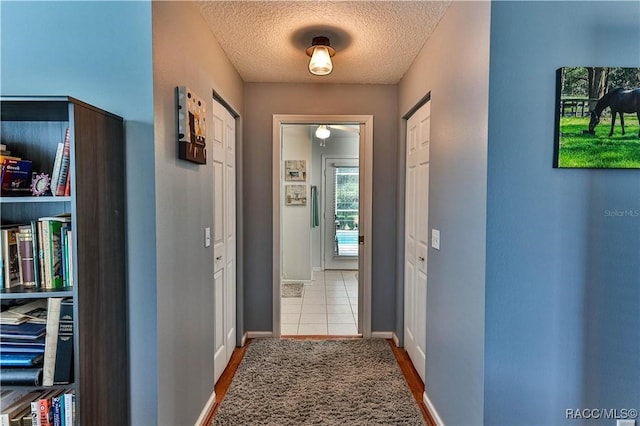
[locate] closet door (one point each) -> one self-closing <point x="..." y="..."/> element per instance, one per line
<point x="230" y="233"/>
<point x="416" y="236"/>
<point x="224" y="235"/>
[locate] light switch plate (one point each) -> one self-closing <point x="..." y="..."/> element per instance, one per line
<point x="435" y="239"/>
<point x="207" y="237"/>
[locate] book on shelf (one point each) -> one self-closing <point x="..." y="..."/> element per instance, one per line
<point x="21" y="376"/>
<point x="8" y="397"/>
<point x="15" y="176"/>
<point x="58" y="186"/>
<point x="63" y="371"/>
<point x="34" y="311"/>
<point x="54" y="230"/>
<point x="20" y="359"/>
<point x="67" y="186"/>
<point x="55" y="171"/>
<point x="51" y="340"/>
<point x="11" y="263"/>
<point x="25" y="256"/>
<point x="11" y="410"/>
<point x="10" y="347"/>
<point x="69" y="408"/>
<point x="39" y="408"/>
<point x="44" y="411"/>
<point x="24" y="331"/>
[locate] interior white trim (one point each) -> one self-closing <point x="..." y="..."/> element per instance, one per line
<point x="366" y="164"/>
<point x="382" y="334"/>
<point x="432" y="409"/>
<point x="211" y="402"/>
<point x="259" y="334"/>
<point x="244" y="339"/>
<point x="396" y="340"/>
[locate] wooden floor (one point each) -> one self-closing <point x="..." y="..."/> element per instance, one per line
<point x="410" y="374"/>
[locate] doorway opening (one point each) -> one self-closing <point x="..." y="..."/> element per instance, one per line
<point x="322" y="225"/>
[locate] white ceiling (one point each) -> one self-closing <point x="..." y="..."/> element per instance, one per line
<point x="375" y="41"/>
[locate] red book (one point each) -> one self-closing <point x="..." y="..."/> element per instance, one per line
<point x="44" y="408"/>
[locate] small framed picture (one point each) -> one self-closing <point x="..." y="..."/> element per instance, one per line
<point x="295" y="170"/>
<point x="192" y="127"/>
<point x="295" y="195"/>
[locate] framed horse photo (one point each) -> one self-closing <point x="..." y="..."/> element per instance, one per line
<point x="597" y="118"/>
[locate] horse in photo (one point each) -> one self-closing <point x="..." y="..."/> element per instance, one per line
<point x="620" y="101"/>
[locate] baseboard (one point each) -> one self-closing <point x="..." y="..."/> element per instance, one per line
<point x="297" y="281"/>
<point x="432" y="409"/>
<point x="396" y="340"/>
<point x="203" y="418"/>
<point x="244" y="340"/>
<point x="259" y="334"/>
<point x="381" y="334"/>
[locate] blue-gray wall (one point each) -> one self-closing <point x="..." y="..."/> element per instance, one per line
<point x="562" y="323"/>
<point x="262" y="100"/>
<point x="100" y="53"/>
<point x="454" y="67"/>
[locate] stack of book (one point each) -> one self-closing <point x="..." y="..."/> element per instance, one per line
<point x="16" y="173"/>
<point x="38" y="254"/>
<point x="36" y="343"/>
<point x="42" y="408"/>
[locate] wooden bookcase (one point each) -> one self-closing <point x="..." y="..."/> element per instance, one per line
<point x="31" y="127"/>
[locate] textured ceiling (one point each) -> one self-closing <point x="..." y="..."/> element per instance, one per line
<point x="375" y="41"/>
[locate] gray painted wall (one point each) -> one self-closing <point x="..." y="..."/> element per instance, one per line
<point x="454" y="67"/>
<point x="100" y="53"/>
<point x="296" y="220"/>
<point x="185" y="53"/>
<point x="563" y="276"/>
<point x="262" y="100"/>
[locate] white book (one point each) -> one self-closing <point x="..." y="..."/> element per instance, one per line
<point x="68" y="409"/>
<point x="35" y="418"/>
<point x="51" y="340"/>
<point x="56" y="168"/>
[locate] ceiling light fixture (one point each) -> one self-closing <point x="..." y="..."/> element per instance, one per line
<point x="321" y="53"/>
<point x="322" y="132"/>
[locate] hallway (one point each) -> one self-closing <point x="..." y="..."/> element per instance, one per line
<point x="328" y="306"/>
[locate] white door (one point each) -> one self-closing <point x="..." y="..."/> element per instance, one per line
<point x="230" y="234"/>
<point x="341" y="213"/>
<point x="416" y="236"/>
<point x="224" y="231"/>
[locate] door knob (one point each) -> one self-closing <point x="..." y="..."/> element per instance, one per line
<point x="421" y="258"/>
<point x="219" y="257"/>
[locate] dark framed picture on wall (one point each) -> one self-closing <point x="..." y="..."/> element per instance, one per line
<point x="597" y="123"/>
<point x="192" y="129"/>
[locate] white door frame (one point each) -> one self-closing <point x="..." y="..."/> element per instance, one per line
<point x="366" y="165"/>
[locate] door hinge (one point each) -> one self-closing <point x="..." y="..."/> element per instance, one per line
<point x="361" y="239"/>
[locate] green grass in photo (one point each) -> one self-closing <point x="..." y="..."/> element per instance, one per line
<point x="583" y="150"/>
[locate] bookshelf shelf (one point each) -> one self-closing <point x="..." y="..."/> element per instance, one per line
<point x="32" y="127"/>
<point x="33" y="293"/>
<point x="45" y="199"/>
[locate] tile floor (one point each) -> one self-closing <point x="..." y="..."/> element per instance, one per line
<point x="328" y="306"/>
